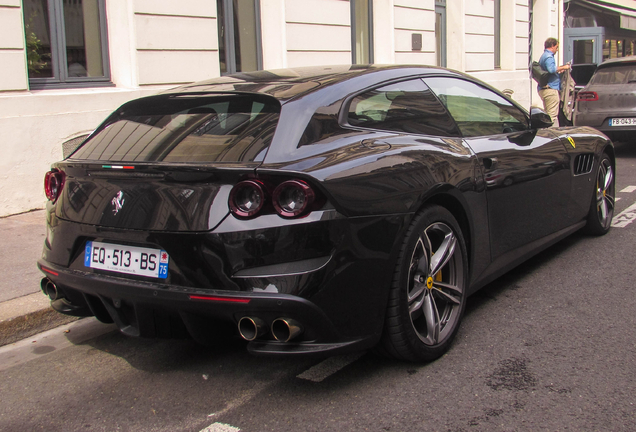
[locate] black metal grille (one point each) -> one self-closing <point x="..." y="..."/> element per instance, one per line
<point x="68" y="147"/>
<point x="583" y="163"/>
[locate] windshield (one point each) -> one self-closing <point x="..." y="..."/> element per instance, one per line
<point x="226" y="128"/>
<point x="625" y="74"/>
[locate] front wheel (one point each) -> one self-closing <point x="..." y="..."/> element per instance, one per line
<point x="428" y="293"/>
<point x="599" y="218"/>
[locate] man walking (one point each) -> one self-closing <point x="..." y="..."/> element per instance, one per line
<point x="550" y="93"/>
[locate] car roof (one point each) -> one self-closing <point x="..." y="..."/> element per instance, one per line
<point x="617" y="62"/>
<point x="285" y="84"/>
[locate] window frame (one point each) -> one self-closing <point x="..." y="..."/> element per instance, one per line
<point x="230" y="42"/>
<point x="440" y="37"/>
<point x="497" y="31"/>
<point x="354" y="52"/>
<point x="60" y="78"/>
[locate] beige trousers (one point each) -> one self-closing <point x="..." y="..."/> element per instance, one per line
<point x="551" y="99"/>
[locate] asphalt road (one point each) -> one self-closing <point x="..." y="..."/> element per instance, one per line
<point x="549" y="346"/>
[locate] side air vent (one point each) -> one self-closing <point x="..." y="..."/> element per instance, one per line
<point x="583" y="163"/>
<point x="69" y="146"/>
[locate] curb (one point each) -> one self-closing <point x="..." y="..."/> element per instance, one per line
<point x="26" y="316"/>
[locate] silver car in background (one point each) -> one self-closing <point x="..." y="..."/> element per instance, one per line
<point x="608" y="102"/>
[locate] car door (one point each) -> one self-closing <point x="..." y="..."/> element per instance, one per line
<point x="525" y="170"/>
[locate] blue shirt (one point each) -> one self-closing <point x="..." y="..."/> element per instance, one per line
<point x="547" y="63"/>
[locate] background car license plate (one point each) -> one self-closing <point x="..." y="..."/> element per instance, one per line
<point x="126" y="259"/>
<point x="622" y="121"/>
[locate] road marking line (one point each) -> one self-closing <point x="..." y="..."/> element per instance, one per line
<point x="626" y="217"/>
<point x="244" y="398"/>
<point x="328" y="367"/>
<point x="629" y="189"/>
<point x="220" y="427"/>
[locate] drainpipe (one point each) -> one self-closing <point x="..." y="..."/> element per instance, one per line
<point x="530" y="19"/>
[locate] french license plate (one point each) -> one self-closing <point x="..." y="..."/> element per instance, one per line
<point x="622" y="121"/>
<point x="127" y="259"/>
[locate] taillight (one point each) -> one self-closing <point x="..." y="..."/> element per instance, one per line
<point x="292" y="198"/>
<point x="53" y="184"/>
<point x="587" y="96"/>
<point x="247" y="198"/>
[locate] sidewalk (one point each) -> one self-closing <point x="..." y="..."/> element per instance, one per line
<point x="24" y="310"/>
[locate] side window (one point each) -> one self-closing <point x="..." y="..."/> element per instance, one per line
<point x="66" y="43"/>
<point x="477" y="110"/>
<point x="408" y="107"/>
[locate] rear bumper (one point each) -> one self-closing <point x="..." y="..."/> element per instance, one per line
<point x="329" y="273"/>
<point x="600" y="121"/>
<point x="149" y="309"/>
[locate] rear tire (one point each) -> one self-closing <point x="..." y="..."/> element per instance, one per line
<point x="599" y="217"/>
<point x="428" y="294"/>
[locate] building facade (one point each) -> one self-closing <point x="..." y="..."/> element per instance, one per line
<point x="598" y="30"/>
<point x="66" y="64"/>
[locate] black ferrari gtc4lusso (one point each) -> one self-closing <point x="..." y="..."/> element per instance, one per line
<point x="316" y="210"/>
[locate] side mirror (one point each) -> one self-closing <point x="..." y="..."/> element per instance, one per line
<point x="539" y="119"/>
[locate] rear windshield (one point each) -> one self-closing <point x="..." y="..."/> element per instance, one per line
<point x="615" y="75"/>
<point x="226" y="128"/>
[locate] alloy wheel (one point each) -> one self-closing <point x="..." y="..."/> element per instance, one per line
<point x="605" y="196"/>
<point x="435" y="287"/>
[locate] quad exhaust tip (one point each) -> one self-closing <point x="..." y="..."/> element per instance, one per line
<point x="251" y="328"/>
<point x="286" y="329"/>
